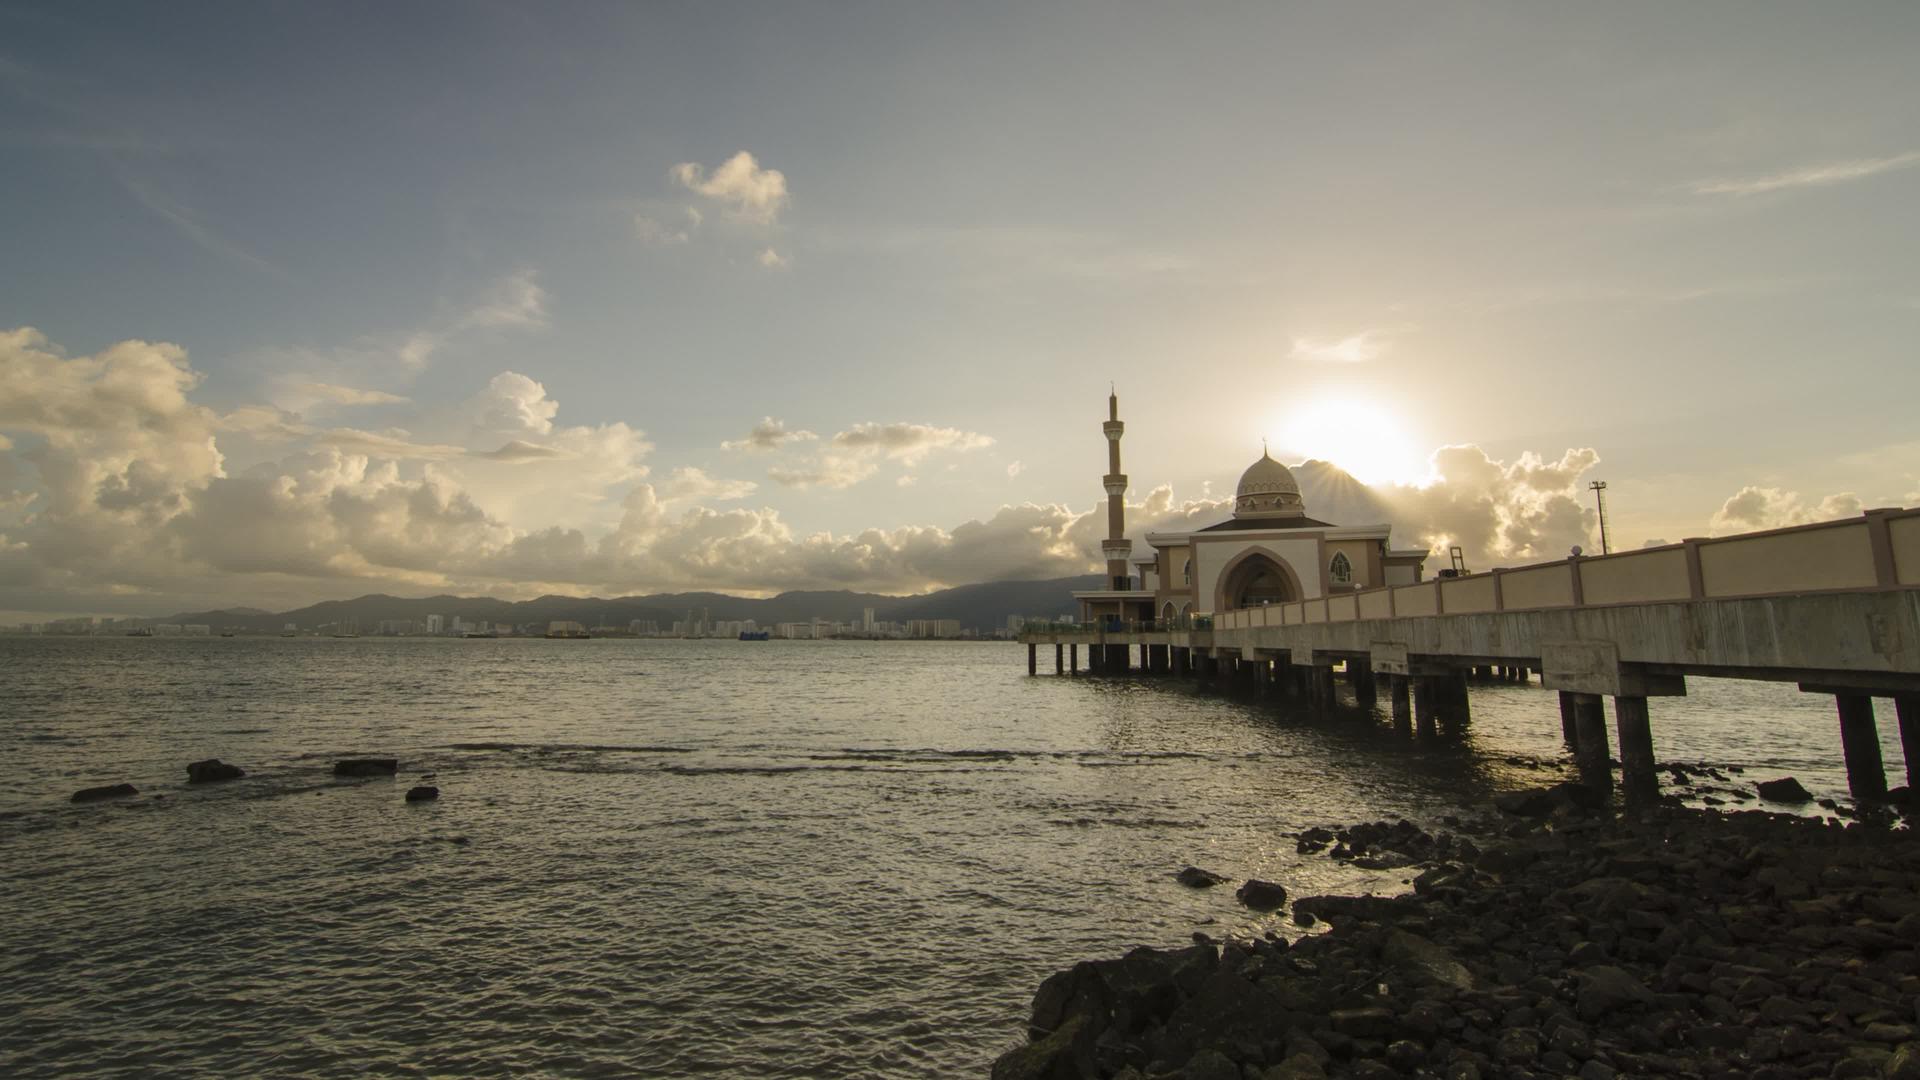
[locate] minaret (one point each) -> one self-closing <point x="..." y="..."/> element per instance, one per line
<point x="1117" y="548"/>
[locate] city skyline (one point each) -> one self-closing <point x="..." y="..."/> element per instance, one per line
<point x="755" y="300"/>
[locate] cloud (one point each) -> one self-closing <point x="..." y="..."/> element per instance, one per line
<point x="394" y="445"/>
<point x="768" y="434"/>
<point x="264" y="422"/>
<point x="345" y="395"/>
<point x="1753" y="508"/>
<point x="1835" y="172"/>
<point x="829" y="470"/>
<point x="1016" y="469"/>
<point x="117" y="492"/>
<point x="770" y="259"/>
<point x="693" y="484"/>
<point x="1357" y="349"/>
<point x="1500" y="513"/>
<point x="654" y="232"/>
<point x="750" y="192"/>
<point x="516" y="301"/>
<point x="513" y="403"/>
<point x="521" y="450"/>
<point x="908" y="443"/>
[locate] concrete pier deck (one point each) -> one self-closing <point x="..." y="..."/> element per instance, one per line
<point x="1833" y="607"/>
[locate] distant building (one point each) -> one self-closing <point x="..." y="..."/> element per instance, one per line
<point x="436" y="624"/>
<point x="933" y="628"/>
<point x="643" y="628"/>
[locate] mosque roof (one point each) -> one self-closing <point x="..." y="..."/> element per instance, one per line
<point x="1267" y="477"/>
<point x="1298" y="521"/>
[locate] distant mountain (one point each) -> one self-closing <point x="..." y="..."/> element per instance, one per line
<point x="978" y="607"/>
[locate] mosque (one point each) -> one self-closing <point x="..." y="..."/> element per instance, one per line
<point x="1268" y="552"/>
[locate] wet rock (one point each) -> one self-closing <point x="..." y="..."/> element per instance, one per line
<point x="1605" y="988"/>
<point x="1542" y="802"/>
<point x="1195" y="878"/>
<point x="1786" y="790"/>
<point x="1262" y="895"/>
<point x="213" y="770"/>
<point x="1210" y="1065"/>
<point x="423" y="793"/>
<point x="1063" y="1054"/>
<point x="366" y="767"/>
<point x="108" y="791"/>
<point x="1424" y="962"/>
<point x="1297" y="1067"/>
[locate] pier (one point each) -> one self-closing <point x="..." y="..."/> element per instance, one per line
<point x="1832" y="607"/>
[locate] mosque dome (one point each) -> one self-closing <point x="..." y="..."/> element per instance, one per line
<point x="1267" y="489"/>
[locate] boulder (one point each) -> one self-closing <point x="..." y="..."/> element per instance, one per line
<point x="1786" y="789"/>
<point x="1605" y="988"/>
<point x="108" y="791"/>
<point x="1062" y="1054"/>
<point x="1424" y="962"/>
<point x="423" y="793"/>
<point x="1543" y="802"/>
<point x="1195" y="878"/>
<point x="1262" y="895"/>
<point x="372" y="766"/>
<point x="213" y="770"/>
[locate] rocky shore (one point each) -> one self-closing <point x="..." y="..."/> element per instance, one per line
<point x="1565" y="942"/>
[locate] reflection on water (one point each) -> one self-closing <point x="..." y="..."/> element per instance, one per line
<point x="669" y="858"/>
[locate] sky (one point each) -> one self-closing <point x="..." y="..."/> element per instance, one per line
<point x="305" y="301"/>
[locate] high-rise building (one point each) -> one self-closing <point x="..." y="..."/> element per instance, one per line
<point x="436" y="624"/>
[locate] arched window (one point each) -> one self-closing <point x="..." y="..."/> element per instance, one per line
<point x="1341" y="569"/>
<point x="1186" y="573"/>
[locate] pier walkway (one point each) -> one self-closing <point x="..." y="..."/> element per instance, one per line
<point x="1833" y="607"/>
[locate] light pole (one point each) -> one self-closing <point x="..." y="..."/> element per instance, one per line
<point x="1599" y="489"/>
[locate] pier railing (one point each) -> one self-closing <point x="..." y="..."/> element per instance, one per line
<point x="1878" y="550"/>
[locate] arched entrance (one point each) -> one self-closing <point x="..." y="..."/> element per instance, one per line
<point x="1256" y="579"/>
<point x="1167" y="615"/>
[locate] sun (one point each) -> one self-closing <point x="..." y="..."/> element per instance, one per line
<point x="1366" y="439"/>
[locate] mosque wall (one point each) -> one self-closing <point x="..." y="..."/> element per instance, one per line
<point x="1301" y="554"/>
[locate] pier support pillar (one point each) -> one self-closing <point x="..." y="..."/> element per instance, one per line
<point x="1361" y="671"/>
<point x="1638" y="780"/>
<point x="1450" y="702"/>
<point x="1423" y="706"/>
<point x="1860" y="740"/>
<point x="1033" y="653"/>
<point x="1263" y="679"/>
<point x="1397" y="692"/>
<point x="1073" y="659"/>
<point x="1059" y="659"/>
<point x="1569" y="734"/>
<point x="1907" y="707"/>
<point x="1590" y="749"/>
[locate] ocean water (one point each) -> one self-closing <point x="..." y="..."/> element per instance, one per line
<point x="671" y="858"/>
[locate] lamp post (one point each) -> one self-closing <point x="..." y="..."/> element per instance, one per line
<point x="1599" y="489"/>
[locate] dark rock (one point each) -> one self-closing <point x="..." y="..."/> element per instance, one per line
<point x="1062" y="1054"/>
<point x="1423" y="962"/>
<point x="1367" y="1023"/>
<point x="1542" y="802"/>
<point x="1210" y="1065"/>
<point x="1786" y="789"/>
<point x="366" y="767"/>
<point x="1262" y="895"/>
<point x="1405" y="1054"/>
<point x="1605" y="988"/>
<point x="1195" y="878"/>
<point x="213" y="770"/>
<point x="423" y="793"/>
<point x="1227" y="1013"/>
<point x="109" y="791"/>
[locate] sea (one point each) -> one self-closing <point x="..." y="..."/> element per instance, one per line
<point x="663" y="858"/>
